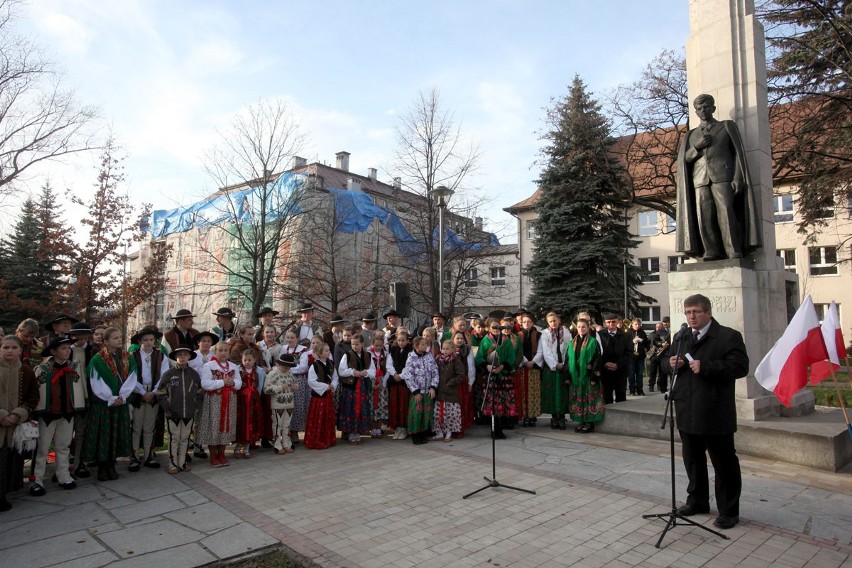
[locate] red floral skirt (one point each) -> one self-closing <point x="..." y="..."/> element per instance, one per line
<point x="320" y="431"/>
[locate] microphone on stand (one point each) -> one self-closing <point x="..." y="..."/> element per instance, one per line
<point x="684" y="329"/>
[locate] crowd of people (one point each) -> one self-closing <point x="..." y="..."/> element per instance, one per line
<point x="91" y="400"/>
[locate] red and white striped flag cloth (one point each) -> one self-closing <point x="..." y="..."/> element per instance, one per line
<point x="784" y="370"/>
<point x="832" y="334"/>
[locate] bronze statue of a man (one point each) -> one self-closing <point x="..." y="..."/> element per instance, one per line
<point x="717" y="216"/>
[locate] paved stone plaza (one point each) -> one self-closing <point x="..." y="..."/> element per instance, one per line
<point x="390" y="503"/>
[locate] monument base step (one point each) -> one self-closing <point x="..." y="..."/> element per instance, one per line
<point x="818" y="440"/>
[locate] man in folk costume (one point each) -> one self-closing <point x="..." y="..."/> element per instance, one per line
<point x="551" y="358"/>
<point x="62" y="392"/>
<point x="58" y="327"/>
<point x="368" y="328"/>
<point x="182" y="333"/>
<point x="151" y="364"/>
<point x="305" y="329"/>
<point x="393" y="318"/>
<point x="27" y="332"/>
<point x="530" y="381"/>
<point x="265" y="317"/>
<point x="439" y="325"/>
<point x="334" y="335"/>
<point x="225" y="327"/>
<point x="112" y="376"/>
<point x="82" y="352"/>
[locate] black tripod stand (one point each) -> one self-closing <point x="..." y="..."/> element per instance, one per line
<point x="492" y="481"/>
<point x="673" y="516"/>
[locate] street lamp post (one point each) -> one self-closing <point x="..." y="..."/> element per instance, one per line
<point x="441" y="195"/>
<point x="625" y="258"/>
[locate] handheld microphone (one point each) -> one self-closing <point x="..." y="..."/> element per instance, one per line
<point x="684" y="328"/>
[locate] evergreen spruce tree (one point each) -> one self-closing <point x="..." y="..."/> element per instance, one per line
<point x="18" y="252"/>
<point x="51" y="264"/>
<point x="581" y="234"/>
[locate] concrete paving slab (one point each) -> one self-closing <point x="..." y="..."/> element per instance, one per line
<point x="91" y="561"/>
<point x="51" y="551"/>
<point x="147" y="508"/>
<point x="148" y="538"/>
<point x="207" y="517"/>
<point x="184" y="556"/>
<point x="74" y="518"/>
<point x="237" y="540"/>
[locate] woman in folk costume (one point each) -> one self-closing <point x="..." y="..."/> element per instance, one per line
<point x="510" y="333"/>
<point x="422" y="378"/>
<point x="498" y="355"/>
<point x="398" y="393"/>
<point x="249" y="407"/>
<point x="244" y="341"/>
<point x="530" y="376"/>
<point x="220" y="380"/>
<point x="587" y="404"/>
<point x="18" y="397"/>
<point x="62" y="393"/>
<point x="300" y="372"/>
<point x="384" y="369"/>
<point x="356" y="372"/>
<point x="321" y="430"/>
<point x="204" y="343"/>
<point x="452" y="372"/>
<point x="551" y="357"/>
<point x="112" y="376"/>
<point x="465" y="352"/>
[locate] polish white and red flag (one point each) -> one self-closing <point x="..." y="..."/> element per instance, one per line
<point x="832" y="334"/>
<point x="784" y="370"/>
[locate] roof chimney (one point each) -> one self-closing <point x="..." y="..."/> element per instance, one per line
<point x="299" y="162"/>
<point x="353" y="184"/>
<point x="397" y="183"/>
<point x="343" y="161"/>
<point x="477" y="223"/>
<point x="372" y="173"/>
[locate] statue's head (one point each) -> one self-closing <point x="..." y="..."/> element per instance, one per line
<point x="705" y="106"/>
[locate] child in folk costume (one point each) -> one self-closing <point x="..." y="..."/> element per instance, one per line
<point x="18" y="398"/>
<point x="421" y="377"/>
<point x="112" y="376"/>
<point x="151" y="363"/>
<point x="551" y="357"/>
<point x="384" y="369"/>
<point x="432" y="345"/>
<point x="269" y="351"/>
<point x="82" y="352"/>
<point x="204" y="343"/>
<point x="356" y="372"/>
<point x="452" y="372"/>
<point x="465" y="353"/>
<point x="320" y="433"/>
<point x="249" y="407"/>
<point x="180" y="396"/>
<point x="220" y="380"/>
<point x="343" y="346"/>
<point x="300" y="372"/>
<point x="530" y="376"/>
<point x="281" y="386"/>
<point x="586" y="392"/>
<point x="497" y="354"/>
<point x="62" y="392"/>
<point x="398" y="393"/>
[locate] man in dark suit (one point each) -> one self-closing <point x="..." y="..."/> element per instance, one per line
<point x="714" y="358"/>
<point x="615" y="349"/>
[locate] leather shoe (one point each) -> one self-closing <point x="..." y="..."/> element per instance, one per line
<point x="724" y="522"/>
<point x="36" y="490"/>
<point x="689" y="510"/>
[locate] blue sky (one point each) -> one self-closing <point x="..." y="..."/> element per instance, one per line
<point x="167" y="74"/>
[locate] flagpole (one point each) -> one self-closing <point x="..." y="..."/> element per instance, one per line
<point x="840" y="396"/>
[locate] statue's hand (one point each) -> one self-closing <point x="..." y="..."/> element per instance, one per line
<point x="705" y="141"/>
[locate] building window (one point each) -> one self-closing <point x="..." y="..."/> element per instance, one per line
<point x="648" y="223"/>
<point x="649" y="314"/>
<point x="783" y="205"/>
<point x="822" y="260"/>
<point x="531" y="230"/>
<point x="671" y="224"/>
<point x="674" y="261"/>
<point x="652" y="266"/>
<point x="498" y="276"/>
<point x="822" y="310"/>
<point x="789" y="258"/>
<point x="470" y="278"/>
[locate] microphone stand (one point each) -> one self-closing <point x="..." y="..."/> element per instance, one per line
<point x="492" y="481"/>
<point x="673" y="516"/>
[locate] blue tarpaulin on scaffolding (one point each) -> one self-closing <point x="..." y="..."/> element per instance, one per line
<point x="355" y="212"/>
<point x="221" y="208"/>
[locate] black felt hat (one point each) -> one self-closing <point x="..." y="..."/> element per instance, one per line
<point x="266" y="311"/>
<point x="147" y="330"/>
<point x="225" y="312"/>
<point x="173" y="353"/>
<point x="211" y="335"/>
<point x="62" y="317"/>
<point x="391" y="313"/>
<point x="81" y="328"/>
<point x="286" y="359"/>
<point x="56" y="342"/>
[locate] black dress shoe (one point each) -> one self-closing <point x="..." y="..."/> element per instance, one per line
<point x="54" y="479"/>
<point x="640" y="393"/>
<point x="266" y="444"/>
<point x="68" y="486"/>
<point x="134" y="465"/>
<point x="36" y="490"/>
<point x="689" y="510"/>
<point x="152" y="464"/>
<point x="724" y="522"/>
<point x="200" y="454"/>
<point x="82" y="472"/>
<point x="112" y="475"/>
<point x="102" y="473"/>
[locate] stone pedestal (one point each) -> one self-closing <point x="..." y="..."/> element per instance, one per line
<point x="755" y="303"/>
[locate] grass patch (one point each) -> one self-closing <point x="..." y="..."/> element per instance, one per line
<point x="275" y="559"/>
<point x="826" y="395"/>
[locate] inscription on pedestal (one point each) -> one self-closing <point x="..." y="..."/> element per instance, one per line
<point x="721" y="304"/>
